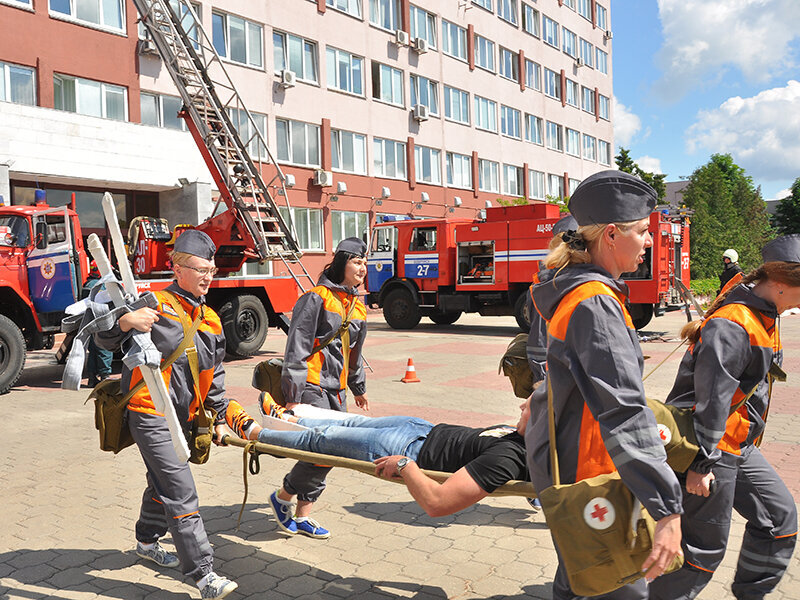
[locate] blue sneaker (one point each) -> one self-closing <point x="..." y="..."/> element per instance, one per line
<point x="308" y="526"/>
<point x="535" y="504"/>
<point x="283" y="513"/>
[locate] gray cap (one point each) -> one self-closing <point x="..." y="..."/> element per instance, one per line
<point x="785" y="248"/>
<point x="353" y="245"/>
<point x="565" y="223"/>
<point x="612" y="197"/>
<point x="196" y="243"/>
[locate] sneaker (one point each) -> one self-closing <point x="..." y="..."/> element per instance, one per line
<point x="237" y="419"/>
<point x="217" y="587"/>
<point x="308" y="526"/>
<point x="283" y="513"/>
<point x="270" y="408"/>
<point x="536" y="506"/>
<point x="158" y="555"/>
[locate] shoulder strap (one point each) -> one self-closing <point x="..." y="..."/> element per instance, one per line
<point x="551" y="425"/>
<point x="345" y="321"/>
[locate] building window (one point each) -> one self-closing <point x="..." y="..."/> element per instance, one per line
<point x="509" y="64"/>
<point x="385" y="14"/>
<point x="602" y="18"/>
<point x="345" y="71"/>
<point x="570" y="4"/>
<point x="536" y="185"/>
<point x="555" y="136"/>
<point x="510" y="122"/>
<point x="585" y="9"/>
<point x="587" y="53"/>
<point x="428" y="165"/>
<point x="307" y="226"/>
<point x="533" y="130"/>
<point x="459" y="170"/>
<point x="248" y="134"/>
<point x="456" y="105"/>
<point x="603" y="152"/>
<point x="348" y="223"/>
<point x="573" y="142"/>
<point x="17" y="84"/>
<point x="237" y="39"/>
<point x="348" y="152"/>
<point x="570" y="42"/>
<point x="162" y="111"/>
<point x="512" y="181"/>
<point x="387" y="84"/>
<point x="555" y="186"/>
<point x="602" y="61"/>
<point x="533" y="75"/>
<point x="295" y="54"/>
<point x="530" y="20"/>
<point x="507" y="10"/>
<point x="487" y="4"/>
<point x="604" y="111"/>
<point x="106" y="13"/>
<point x="485" y="114"/>
<point x="589" y="147"/>
<point x="351" y="7"/>
<point x="389" y="158"/>
<point x="423" y="25"/>
<point x="573" y="93"/>
<point x="573" y="185"/>
<point x="298" y="142"/>
<point x="550" y="31"/>
<point x="425" y="92"/>
<point x="552" y="84"/>
<point x="87" y="97"/>
<point x="484" y="53"/>
<point x="587" y="99"/>
<point x="25" y="3"/>
<point x="187" y="22"/>
<point x="489" y="174"/>
<point x="454" y="40"/>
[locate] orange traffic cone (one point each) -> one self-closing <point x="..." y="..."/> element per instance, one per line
<point x="411" y="373"/>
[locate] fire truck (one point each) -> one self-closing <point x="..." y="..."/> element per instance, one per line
<point x="441" y="268"/>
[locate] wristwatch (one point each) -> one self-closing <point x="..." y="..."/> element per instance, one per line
<point x="401" y="464"/>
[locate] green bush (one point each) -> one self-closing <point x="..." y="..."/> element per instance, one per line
<point x="705" y="287"/>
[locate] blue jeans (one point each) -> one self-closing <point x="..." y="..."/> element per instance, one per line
<point x="357" y="436"/>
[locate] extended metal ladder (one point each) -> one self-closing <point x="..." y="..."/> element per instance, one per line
<point x="211" y="102"/>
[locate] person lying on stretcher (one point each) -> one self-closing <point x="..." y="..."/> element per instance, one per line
<point x="481" y="459"/>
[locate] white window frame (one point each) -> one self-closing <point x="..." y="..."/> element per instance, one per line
<point x="603" y="152"/>
<point x="536" y="185"/>
<point x="554" y="136"/>
<point x="249" y="28"/>
<point x="604" y="107"/>
<point x="509" y="64"/>
<point x="285" y="55"/>
<point x="334" y="57"/>
<point x="381" y="146"/>
<point x="601" y="60"/>
<point x="552" y="84"/>
<point x="585" y="9"/>
<point x="534" y="129"/>
<point x="572" y="142"/>
<point x="24" y="4"/>
<point x="602" y="17"/>
<point x="383" y="74"/>
<point x="555" y="185"/>
<point x="311" y="133"/>
<point x="533" y="70"/>
<point x="507" y="10"/>
<point x="454" y="40"/>
<point x="587" y="99"/>
<point x="455" y="98"/>
<point x="570" y="4"/>
<point x="570" y="42"/>
<point x="242" y="125"/>
<point x="531" y="21"/>
<point x="491" y="169"/>
<point x="550" y="32"/>
<point x="418" y="16"/>
<point x="513" y="184"/>
<point x="351" y="223"/>
<point x="485" y="4"/>
<point x="311" y="223"/>
<point x="484" y="53"/>
<point x="488" y="109"/>
<point x="159" y="107"/>
<point x="385" y="14"/>
<point x="72" y="15"/>
<point x="510" y="122"/>
<point x="5" y="82"/>
<point x="589" y="147"/>
<point x="573" y="185"/>
<point x="459" y="170"/>
<point x="573" y="97"/>
<point x="426" y="92"/>
<point x="427" y="165"/>
<point x="105" y="90"/>
<point x="587" y="52"/>
<point x="342" y="140"/>
<point x="349" y="7"/>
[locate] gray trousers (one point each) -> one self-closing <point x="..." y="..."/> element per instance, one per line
<point x="169" y="502"/>
<point x="749" y="485"/>
<point x="562" y="590"/>
<point x="305" y="480"/>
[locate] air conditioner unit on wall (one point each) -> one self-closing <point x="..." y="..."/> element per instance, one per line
<point x="609" y="34"/>
<point x="323" y="178"/>
<point x="147" y="46"/>
<point x="420" y="112"/>
<point x="288" y="78"/>
<point x="579" y="62"/>
<point x="421" y="45"/>
<point x="401" y="37"/>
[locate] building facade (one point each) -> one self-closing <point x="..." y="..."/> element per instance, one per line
<point x="424" y="109"/>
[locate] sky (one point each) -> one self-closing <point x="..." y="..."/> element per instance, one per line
<point x="698" y="77"/>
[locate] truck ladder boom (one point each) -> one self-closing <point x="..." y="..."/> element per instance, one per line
<point x="211" y="104"/>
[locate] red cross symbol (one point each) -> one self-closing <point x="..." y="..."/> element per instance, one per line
<point x="599" y="513"/>
<point x="662" y="434"/>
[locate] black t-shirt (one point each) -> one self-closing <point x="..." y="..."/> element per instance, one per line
<point x="492" y="455"/>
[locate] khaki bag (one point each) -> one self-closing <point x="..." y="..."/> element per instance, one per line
<point x="603" y="532"/>
<point x="515" y="366"/>
<point x="267" y="374"/>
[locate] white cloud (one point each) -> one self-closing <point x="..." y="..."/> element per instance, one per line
<point x="626" y="124"/>
<point x="762" y="133"/>
<point x="649" y="164"/>
<point x="782" y="194"/>
<point x="703" y="38"/>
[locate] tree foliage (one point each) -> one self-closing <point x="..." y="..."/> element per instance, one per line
<point x="729" y="213"/>
<point x="787" y="213"/>
<point x="627" y="164"/>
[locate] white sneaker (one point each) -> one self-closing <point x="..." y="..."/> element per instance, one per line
<point x="158" y="555"/>
<point x="217" y="587"/>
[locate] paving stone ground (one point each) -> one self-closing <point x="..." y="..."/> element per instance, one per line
<point x="68" y="509"/>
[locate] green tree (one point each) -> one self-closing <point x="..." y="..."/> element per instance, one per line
<point x="627" y="164"/>
<point x="729" y="213"/>
<point x="787" y="213"/>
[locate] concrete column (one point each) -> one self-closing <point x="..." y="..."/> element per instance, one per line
<point x="190" y="204"/>
<point x="5" y="185"/>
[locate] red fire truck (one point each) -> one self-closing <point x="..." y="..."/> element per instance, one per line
<point x="440" y="268"/>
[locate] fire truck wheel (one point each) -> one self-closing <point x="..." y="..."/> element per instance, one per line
<point x="446" y="318"/>
<point x="245" y="322"/>
<point x="641" y="315"/>
<point x="521" y="313"/>
<point x="400" y="310"/>
<point x="12" y="354"/>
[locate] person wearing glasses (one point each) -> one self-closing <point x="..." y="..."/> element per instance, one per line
<point x="170" y="501"/>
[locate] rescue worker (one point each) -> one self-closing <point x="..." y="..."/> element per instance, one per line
<point x="320" y="377"/>
<point x="730" y="261"/>
<point x="170" y="501"/>
<point x="732" y="350"/>
<point x="594" y="364"/>
<point x="98" y="360"/>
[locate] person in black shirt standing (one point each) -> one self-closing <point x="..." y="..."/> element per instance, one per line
<point x="730" y="258"/>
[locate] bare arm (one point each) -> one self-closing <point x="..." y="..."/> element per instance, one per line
<point x="460" y="491"/>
